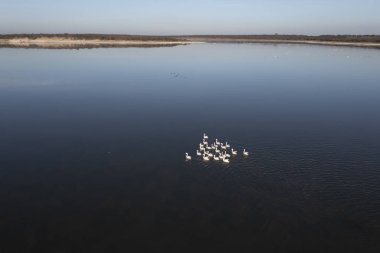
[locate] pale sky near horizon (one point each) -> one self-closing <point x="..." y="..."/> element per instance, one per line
<point x="174" y="17"/>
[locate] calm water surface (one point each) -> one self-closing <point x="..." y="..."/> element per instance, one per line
<point x="92" y="147"/>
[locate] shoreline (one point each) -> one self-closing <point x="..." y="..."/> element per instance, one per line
<point x="68" y="43"/>
<point x="52" y="42"/>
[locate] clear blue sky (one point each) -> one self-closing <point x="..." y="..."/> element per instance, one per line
<point x="191" y="16"/>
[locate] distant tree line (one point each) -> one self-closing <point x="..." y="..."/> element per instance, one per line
<point x="333" y="38"/>
<point x="115" y="37"/>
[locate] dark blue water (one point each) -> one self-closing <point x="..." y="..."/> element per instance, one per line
<point x="92" y="147"/>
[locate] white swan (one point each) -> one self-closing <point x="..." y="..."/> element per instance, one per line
<point x="199" y="153"/>
<point x="202" y="149"/>
<point x="187" y="156"/>
<point x="205" y="157"/>
<point x="226" y="160"/>
<point x="205" y="136"/>
<point x="227" y="145"/>
<point x="208" y="147"/>
<point x="217" y="150"/>
<point x="234" y="152"/>
<point x="217" y="142"/>
<point x="222" y="146"/>
<point x="216" y="158"/>
<point x="245" y="152"/>
<point x="210" y="155"/>
<point x="226" y="155"/>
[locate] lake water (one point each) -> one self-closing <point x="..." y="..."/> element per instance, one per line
<point x="93" y="142"/>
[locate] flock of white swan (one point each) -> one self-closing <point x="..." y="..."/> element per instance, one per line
<point x="216" y="150"/>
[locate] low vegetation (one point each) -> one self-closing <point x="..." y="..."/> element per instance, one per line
<point x="117" y="40"/>
<point x="324" y="38"/>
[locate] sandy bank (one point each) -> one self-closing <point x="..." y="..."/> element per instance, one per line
<point x="74" y="43"/>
